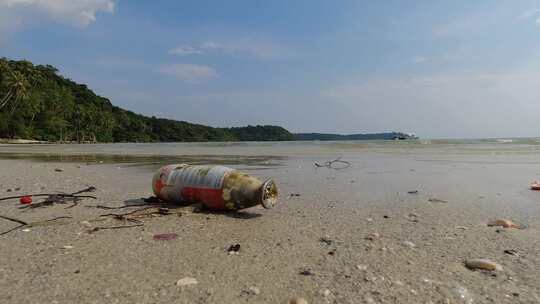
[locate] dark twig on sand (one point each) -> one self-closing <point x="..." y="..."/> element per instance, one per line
<point x="26" y="224"/>
<point x="56" y="198"/>
<point x="336" y="164"/>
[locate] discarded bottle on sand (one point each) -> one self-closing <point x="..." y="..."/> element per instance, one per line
<point x="216" y="187"/>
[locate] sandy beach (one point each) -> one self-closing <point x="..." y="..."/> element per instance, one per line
<point x="336" y="236"/>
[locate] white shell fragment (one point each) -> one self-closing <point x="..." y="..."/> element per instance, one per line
<point x="186" y="281"/>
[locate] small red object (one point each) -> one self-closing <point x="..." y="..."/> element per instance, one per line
<point x="25" y="200"/>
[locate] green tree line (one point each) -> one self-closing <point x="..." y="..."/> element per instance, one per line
<point x="38" y="103"/>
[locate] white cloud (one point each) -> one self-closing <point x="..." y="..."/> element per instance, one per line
<point x="75" y="12"/>
<point x="184" y="50"/>
<point x="190" y="73"/>
<point x="419" y="59"/>
<point x="240" y="47"/>
<point x="529" y="13"/>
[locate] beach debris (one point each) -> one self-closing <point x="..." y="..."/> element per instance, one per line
<point x="67" y="247"/>
<point x="369" y="220"/>
<point x="326" y="239"/>
<point x="186" y="281"/>
<point x="483" y="264"/>
<point x="9" y="190"/>
<point x="408" y="244"/>
<point x="234" y="249"/>
<point x="332" y="252"/>
<point x="386" y="216"/>
<point x="55" y="198"/>
<point x="86" y="224"/>
<point x="28" y="224"/>
<point x="58" y="170"/>
<point x="165" y="236"/>
<point x="215" y="187"/>
<point x="25" y="200"/>
<point x="463" y="294"/>
<point x="413" y="192"/>
<point x="252" y="290"/>
<point x="361" y="267"/>
<point x="461" y="228"/>
<point x="511" y="252"/>
<point x="306" y="272"/>
<point x="503" y="223"/>
<point x="25" y="230"/>
<point x="373" y="236"/>
<point x="294" y="195"/>
<point x="535" y="185"/>
<point x="436" y="200"/>
<point x="336" y="164"/>
<point x="297" y="300"/>
<point x="325" y="292"/>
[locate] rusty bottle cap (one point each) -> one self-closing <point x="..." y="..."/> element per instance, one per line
<point x="269" y="194"/>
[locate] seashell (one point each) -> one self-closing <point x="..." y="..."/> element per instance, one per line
<point x="483" y="264"/>
<point x="503" y="223"/>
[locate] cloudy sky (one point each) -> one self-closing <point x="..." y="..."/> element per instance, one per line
<point x="437" y="68"/>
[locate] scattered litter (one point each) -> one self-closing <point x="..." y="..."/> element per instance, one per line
<point x="336" y="164"/>
<point x="215" y="187"/>
<point x="373" y="236"/>
<point x="234" y="249"/>
<point x="25" y="200"/>
<point x="186" y="281"/>
<point x="463" y="294"/>
<point x="306" y="272"/>
<point x="326" y="240"/>
<point x="503" y="223"/>
<point x="535" y="185"/>
<point x="413" y="192"/>
<point x="252" y="291"/>
<point x="55" y="198"/>
<point x="511" y="252"/>
<point x="25" y="230"/>
<point x="461" y="227"/>
<point x="297" y="300"/>
<point x="361" y="267"/>
<point x="483" y="264"/>
<point x="294" y="195"/>
<point x="436" y="200"/>
<point x="165" y="237"/>
<point x="386" y="216"/>
<point x="59" y="170"/>
<point x="408" y="244"/>
<point x="67" y="247"/>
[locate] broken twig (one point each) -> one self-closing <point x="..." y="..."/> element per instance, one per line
<point x="341" y="164"/>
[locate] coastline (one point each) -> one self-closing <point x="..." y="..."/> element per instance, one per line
<point x="306" y="245"/>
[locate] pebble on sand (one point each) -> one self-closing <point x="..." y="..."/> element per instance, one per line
<point x="503" y="223"/>
<point x="373" y="236"/>
<point x="483" y="264"/>
<point x="186" y="281"/>
<point x="298" y="300"/>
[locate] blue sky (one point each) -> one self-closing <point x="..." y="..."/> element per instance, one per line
<point x="437" y="68"/>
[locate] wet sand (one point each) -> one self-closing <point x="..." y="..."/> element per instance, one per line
<point x="312" y="246"/>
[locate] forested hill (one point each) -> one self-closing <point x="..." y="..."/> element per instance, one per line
<point x="38" y="103"/>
